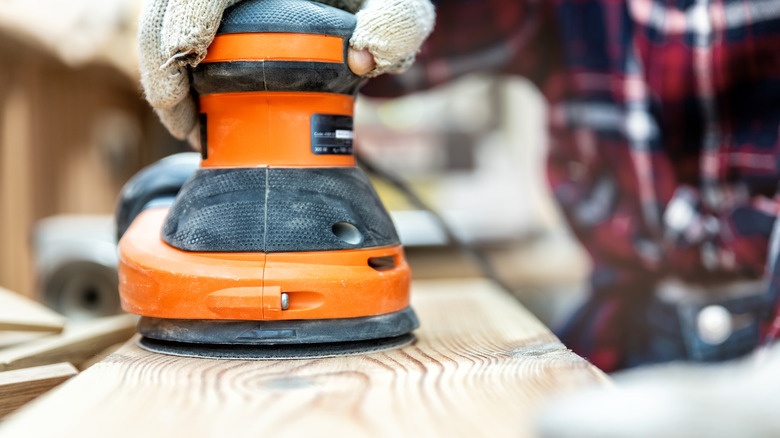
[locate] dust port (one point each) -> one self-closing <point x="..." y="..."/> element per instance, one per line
<point x="384" y="263"/>
<point x="347" y="232"/>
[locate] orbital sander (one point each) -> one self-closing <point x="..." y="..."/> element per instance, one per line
<point x="277" y="245"/>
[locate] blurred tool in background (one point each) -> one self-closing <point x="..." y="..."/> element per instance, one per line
<point x="75" y="258"/>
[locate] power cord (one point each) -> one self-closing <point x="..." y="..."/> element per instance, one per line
<point x="476" y="254"/>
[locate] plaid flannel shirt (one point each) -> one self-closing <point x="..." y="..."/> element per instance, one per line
<point x="663" y="152"/>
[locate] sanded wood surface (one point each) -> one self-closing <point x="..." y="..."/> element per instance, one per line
<point x="480" y="367"/>
<point x="21" y="313"/>
<point x="20" y="386"/>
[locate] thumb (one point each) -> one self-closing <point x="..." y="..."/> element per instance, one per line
<point x="360" y="61"/>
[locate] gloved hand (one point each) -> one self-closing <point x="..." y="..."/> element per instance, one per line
<point x="175" y="34"/>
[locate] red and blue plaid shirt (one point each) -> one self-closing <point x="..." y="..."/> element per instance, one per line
<point x="664" y="150"/>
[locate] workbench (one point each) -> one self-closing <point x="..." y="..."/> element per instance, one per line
<point x="481" y="366"/>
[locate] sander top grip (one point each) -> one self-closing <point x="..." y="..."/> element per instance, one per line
<point x="246" y="57"/>
<point x="287" y="16"/>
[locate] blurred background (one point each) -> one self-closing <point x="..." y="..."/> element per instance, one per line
<point x="74" y="128"/>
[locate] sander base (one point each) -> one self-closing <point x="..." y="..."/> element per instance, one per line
<point x="280" y="339"/>
<point x="270" y="352"/>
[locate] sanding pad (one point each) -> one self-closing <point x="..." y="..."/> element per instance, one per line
<point x="269" y="352"/>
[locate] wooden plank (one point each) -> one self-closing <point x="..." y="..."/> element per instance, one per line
<point x="19" y="313"/>
<point x="22" y="386"/>
<point x="76" y="344"/>
<point x="11" y="338"/>
<point x="98" y="357"/>
<point x="480" y="366"/>
<point x="16" y="182"/>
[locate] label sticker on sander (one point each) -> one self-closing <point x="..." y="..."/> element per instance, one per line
<point x="331" y="134"/>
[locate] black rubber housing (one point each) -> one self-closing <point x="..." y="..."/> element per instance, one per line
<point x="154" y="186"/>
<point x="296" y="76"/>
<point x="309" y="331"/>
<point x="278" y="210"/>
<point x="288" y="16"/>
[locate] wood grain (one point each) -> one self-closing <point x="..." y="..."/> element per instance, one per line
<point x="21" y="386"/>
<point x="19" y="313"/>
<point x="480" y="367"/>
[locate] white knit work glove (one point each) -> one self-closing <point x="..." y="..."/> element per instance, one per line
<point x="175" y="34"/>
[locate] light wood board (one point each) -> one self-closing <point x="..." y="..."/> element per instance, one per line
<point x="20" y="386"/>
<point x="12" y="338"/>
<point x="78" y="343"/>
<point x="19" y="313"/>
<point x="480" y="367"/>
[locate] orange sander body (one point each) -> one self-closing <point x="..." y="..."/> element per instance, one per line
<point x="276" y="245"/>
